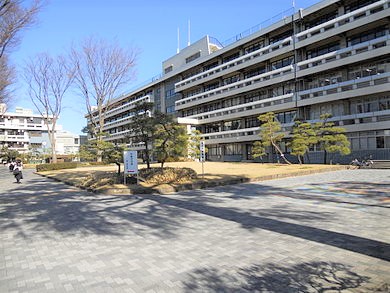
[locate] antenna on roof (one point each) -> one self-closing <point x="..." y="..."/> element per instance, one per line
<point x="178" y="41"/>
<point x="189" y="33"/>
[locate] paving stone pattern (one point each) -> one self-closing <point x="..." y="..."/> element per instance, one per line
<point x="314" y="233"/>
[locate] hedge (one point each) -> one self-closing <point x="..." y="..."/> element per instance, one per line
<point x="56" y="166"/>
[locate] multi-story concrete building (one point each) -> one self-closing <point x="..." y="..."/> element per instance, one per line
<point x="25" y="132"/>
<point x="332" y="57"/>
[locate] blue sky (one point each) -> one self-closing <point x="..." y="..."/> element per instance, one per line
<point x="148" y="25"/>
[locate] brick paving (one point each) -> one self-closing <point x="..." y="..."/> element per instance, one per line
<point x="303" y="234"/>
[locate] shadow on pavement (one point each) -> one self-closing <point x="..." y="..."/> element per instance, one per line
<point x="357" y="244"/>
<point x="303" y="277"/>
<point x="44" y="205"/>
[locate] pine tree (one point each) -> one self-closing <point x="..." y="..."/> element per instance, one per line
<point x="332" y="139"/>
<point x="303" y="136"/>
<point x="270" y="133"/>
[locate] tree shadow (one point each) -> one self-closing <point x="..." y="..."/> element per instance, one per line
<point x="45" y="205"/>
<point x="303" y="277"/>
<point x="374" y="248"/>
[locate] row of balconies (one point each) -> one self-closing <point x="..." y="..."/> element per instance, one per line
<point x="17" y="138"/>
<point x="356" y="87"/>
<point x="355" y="122"/>
<point x="363" y="51"/>
<point x="325" y="30"/>
<point x="127" y="106"/>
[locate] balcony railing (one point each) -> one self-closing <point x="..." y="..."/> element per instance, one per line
<point x="324" y="27"/>
<point x="263" y="104"/>
<point x="233" y="86"/>
<point x="231" y="133"/>
<point x="345" y="86"/>
<point x="345" y="53"/>
<point x="244" y="107"/>
<point x="343" y="19"/>
<point x="238" y="61"/>
<point x="124" y="107"/>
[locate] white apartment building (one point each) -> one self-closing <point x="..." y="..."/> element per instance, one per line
<point x="332" y="57"/>
<point x="25" y="132"/>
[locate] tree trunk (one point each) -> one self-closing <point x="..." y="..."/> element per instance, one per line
<point x="281" y="153"/>
<point x="300" y="159"/>
<point x="147" y="155"/>
<point x="119" y="168"/>
<point x="325" y="156"/>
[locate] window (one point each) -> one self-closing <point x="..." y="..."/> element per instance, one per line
<point x="322" y="50"/>
<point x="233" y="149"/>
<point x="281" y="36"/>
<point x="231" y="57"/>
<point x="366" y="36"/>
<point x="358" y="4"/>
<point x="282" y="62"/>
<point x="170" y="109"/>
<point x="252" y="122"/>
<point x="380" y="142"/>
<point x="168" y="69"/>
<point x="320" y="20"/>
<point x="193" y="57"/>
<point x="254" y="47"/>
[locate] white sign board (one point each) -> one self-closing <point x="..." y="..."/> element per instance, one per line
<point x="130" y="161"/>
<point x="202" y="151"/>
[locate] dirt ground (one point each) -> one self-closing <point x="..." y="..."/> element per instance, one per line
<point x="215" y="173"/>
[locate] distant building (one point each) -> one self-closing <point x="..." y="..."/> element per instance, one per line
<point x="24" y="131"/>
<point x="332" y="57"/>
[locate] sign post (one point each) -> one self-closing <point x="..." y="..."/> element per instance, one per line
<point x="202" y="155"/>
<point x="130" y="164"/>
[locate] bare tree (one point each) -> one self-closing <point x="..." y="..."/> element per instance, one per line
<point x="48" y="79"/>
<point x="14" y="18"/>
<point x="101" y="70"/>
<point x="7" y="77"/>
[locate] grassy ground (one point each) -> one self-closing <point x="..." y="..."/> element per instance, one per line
<point x="97" y="178"/>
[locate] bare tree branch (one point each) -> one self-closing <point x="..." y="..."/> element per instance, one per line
<point x="101" y="70"/>
<point x="14" y="18"/>
<point x="48" y="79"/>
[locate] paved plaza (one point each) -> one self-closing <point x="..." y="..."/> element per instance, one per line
<point x="327" y="232"/>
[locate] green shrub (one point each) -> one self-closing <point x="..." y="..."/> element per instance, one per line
<point x="57" y="166"/>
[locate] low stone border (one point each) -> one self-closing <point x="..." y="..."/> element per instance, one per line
<point x="198" y="184"/>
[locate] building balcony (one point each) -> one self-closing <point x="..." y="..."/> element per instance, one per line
<point x="125" y="107"/>
<point x="352" y="123"/>
<point x="357" y="53"/>
<point x="244" y="61"/>
<point x="230" y="136"/>
<point x="343" y="23"/>
<point x="14" y="138"/>
<point x="117" y="135"/>
<point x="248" y="84"/>
<point x="359" y="17"/>
<point x="247" y="109"/>
<point x="347" y="89"/>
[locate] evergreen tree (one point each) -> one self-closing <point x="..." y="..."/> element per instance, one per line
<point x="142" y="128"/>
<point x="303" y="136"/>
<point x="258" y="150"/>
<point x="332" y="139"/>
<point x="170" y="138"/>
<point x="270" y="133"/>
<point x="194" y="145"/>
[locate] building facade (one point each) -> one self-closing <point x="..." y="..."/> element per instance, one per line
<point x="26" y="132"/>
<point x="332" y="57"/>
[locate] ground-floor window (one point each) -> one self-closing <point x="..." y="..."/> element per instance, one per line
<point x="233" y="149"/>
